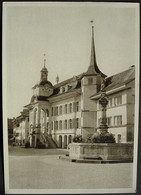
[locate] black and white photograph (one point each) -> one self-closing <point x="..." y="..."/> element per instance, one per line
<point x="70" y="97"/>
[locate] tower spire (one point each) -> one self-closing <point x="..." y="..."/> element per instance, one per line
<point x="44" y="60"/>
<point x="93" y="56"/>
<point x="93" y="68"/>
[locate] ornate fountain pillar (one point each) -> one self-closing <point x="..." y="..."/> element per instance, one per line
<point x="103" y="101"/>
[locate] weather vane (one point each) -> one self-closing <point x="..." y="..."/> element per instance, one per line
<point x="92" y="23"/>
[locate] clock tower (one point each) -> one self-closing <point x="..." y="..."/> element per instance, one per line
<point x="43" y="88"/>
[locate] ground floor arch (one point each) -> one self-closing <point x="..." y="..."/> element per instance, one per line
<point x="60" y="141"/>
<point x="69" y="139"/>
<point x="65" y="141"/>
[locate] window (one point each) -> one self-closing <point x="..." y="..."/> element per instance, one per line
<point x="77" y="123"/>
<point x="118" y="120"/>
<point x="57" y="111"/>
<point x="62" y="89"/>
<point x="66" y="126"/>
<point x="70" y="107"/>
<point x="70" y="123"/>
<point x="66" y="108"/>
<point x="52" y="111"/>
<point x="35" y="116"/>
<point x="66" y="88"/>
<point x="118" y="100"/>
<point x="60" y="110"/>
<point x="90" y="81"/>
<point x="60" y="125"/>
<point x="119" y="138"/>
<point x="56" y="125"/>
<point x="52" y="125"/>
<point x="109" y="121"/>
<point x="110" y="102"/>
<point x="77" y="106"/>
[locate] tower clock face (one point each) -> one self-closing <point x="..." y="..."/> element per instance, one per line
<point x="46" y="90"/>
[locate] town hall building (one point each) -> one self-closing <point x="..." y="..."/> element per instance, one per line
<point x="57" y="113"/>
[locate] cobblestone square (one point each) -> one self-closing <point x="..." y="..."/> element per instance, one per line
<point x="42" y="169"/>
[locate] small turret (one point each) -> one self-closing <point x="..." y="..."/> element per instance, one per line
<point x="57" y="79"/>
<point x="44" y="72"/>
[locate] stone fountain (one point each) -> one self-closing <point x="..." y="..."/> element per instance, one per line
<point x="102" y="151"/>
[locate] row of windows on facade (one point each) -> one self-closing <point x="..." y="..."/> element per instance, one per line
<point x="64" y="109"/>
<point x="116" y="101"/>
<point x="113" y="121"/>
<point x="65" y="124"/>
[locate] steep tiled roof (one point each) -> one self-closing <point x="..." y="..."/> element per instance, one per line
<point x="119" y="80"/>
<point x="74" y="83"/>
<point x="78" y="77"/>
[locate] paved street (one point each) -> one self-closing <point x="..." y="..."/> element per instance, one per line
<point x="42" y="169"/>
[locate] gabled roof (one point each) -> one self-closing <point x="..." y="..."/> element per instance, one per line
<point x="118" y="80"/>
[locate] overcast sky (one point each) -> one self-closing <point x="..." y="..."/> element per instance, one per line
<point x="64" y="33"/>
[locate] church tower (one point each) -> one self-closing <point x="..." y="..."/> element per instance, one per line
<point x="90" y="84"/>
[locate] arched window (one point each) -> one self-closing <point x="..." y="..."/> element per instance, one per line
<point x="57" y="111"/>
<point x="56" y="125"/>
<point x="70" y="123"/>
<point x="66" y="111"/>
<point x="66" y="124"/>
<point x="70" y="107"/>
<point x="60" y="110"/>
<point x="77" y="123"/>
<point x="60" y="125"/>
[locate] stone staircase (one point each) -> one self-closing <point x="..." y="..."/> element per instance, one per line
<point x="48" y="141"/>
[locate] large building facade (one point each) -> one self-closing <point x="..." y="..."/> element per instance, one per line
<point x="58" y="113"/>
